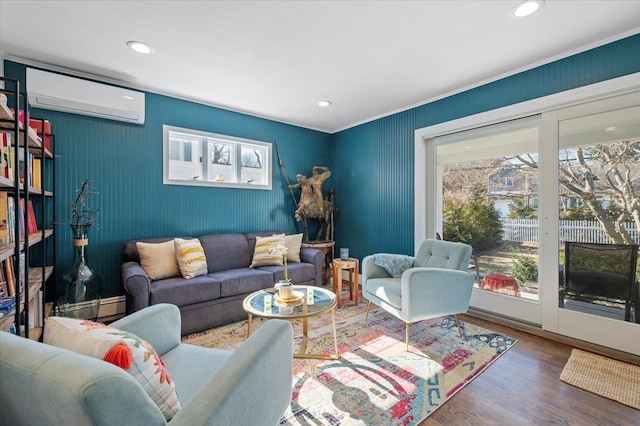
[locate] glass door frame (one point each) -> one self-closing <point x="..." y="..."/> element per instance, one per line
<point x="545" y="313"/>
<point x="607" y="332"/>
<point x="521" y="308"/>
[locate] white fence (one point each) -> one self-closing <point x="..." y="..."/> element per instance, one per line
<point x="526" y="231"/>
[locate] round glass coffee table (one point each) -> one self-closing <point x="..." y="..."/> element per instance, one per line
<point x="314" y="301"/>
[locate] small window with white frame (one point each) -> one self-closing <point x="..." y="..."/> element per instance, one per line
<point x="193" y="157"/>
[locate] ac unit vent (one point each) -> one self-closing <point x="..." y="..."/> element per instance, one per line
<point x="73" y="95"/>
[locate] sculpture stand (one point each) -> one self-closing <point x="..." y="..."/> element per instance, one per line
<point x="326" y="247"/>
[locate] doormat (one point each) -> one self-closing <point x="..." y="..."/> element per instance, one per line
<point x="603" y="376"/>
<point x="375" y="381"/>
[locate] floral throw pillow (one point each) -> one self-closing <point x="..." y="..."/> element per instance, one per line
<point x="120" y="348"/>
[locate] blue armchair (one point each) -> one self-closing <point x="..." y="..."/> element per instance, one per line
<point x="433" y="284"/>
<point x="43" y="384"/>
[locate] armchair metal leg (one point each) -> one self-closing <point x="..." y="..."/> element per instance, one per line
<point x="406" y="335"/>
<point x="458" y="324"/>
<point x="367" y="314"/>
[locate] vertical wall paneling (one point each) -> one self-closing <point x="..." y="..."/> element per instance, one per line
<point x="375" y="164"/>
<point x="372" y="164"/>
<point x="124" y="163"/>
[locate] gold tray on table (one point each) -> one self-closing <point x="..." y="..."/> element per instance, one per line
<point x="295" y="300"/>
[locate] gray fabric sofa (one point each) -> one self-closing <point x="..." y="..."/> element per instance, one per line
<point x="216" y="298"/>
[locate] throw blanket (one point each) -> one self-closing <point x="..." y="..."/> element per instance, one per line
<point x="394" y="264"/>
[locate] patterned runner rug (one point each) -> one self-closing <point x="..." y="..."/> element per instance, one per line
<point x="603" y="376"/>
<point x="375" y="381"/>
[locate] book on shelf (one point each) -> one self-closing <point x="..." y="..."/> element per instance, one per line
<point x="8" y="270"/>
<point x="37" y="173"/>
<point x="6" y="155"/>
<point x="7" y="303"/>
<point x="4" y="219"/>
<point x="31" y="219"/>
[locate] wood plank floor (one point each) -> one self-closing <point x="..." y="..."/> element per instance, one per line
<point x="523" y="387"/>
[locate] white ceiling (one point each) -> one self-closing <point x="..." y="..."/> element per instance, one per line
<point x="277" y="59"/>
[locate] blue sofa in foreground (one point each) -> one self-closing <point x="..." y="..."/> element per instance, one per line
<point x="42" y="384"/>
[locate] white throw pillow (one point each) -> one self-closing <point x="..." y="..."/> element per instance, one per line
<point x="293" y="243"/>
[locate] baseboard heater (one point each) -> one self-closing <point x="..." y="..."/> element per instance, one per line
<point x="112" y="308"/>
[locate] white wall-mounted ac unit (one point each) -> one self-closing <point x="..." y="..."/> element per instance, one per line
<point x="69" y="94"/>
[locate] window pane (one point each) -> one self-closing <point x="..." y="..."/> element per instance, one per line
<point x="489" y="200"/>
<point x="599" y="185"/>
<point x="252" y="165"/>
<point x="193" y="157"/>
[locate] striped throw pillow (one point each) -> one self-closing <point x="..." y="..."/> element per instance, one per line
<point x="269" y="251"/>
<point x="190" y="256"/>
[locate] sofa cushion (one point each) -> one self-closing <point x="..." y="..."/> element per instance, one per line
<point x="121" y="348"/>
<point x="158" y="259"/>
<point x="191" y="259"/>
<point x="181" y="292"/>
<point x="226" y="251"/>
<point x="293" y="243"/>
<point x="242" y="281"/>
<point x="269" y="251"/>
<point x="387" y="289"/>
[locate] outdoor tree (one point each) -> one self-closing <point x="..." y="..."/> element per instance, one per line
<point x="606" y="178"/>
<point x="519" y="209"/>
<point x="475" y="222"/>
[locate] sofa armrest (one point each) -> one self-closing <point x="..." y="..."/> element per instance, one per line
<point x="137" y="285"/>
<point x="316" y="258"/>
<point x="45" y="385"/>
<point x="158" y="324"/>
<point x="436" y="291"/>
<point x="261" y="369"/>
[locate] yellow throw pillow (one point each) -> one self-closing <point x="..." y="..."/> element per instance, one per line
<point x="158" y="259"/>
<point x="293" y="243"/>
<point x="121" y="348"/>
<point x="268" y="251"/>
<point x="191" y="259"/>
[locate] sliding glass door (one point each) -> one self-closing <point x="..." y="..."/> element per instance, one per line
<point x="488" y="197"/>
<point x="521" y="192"/>
<point x="599" y="222"/>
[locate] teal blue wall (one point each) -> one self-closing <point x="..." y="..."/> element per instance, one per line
<point x="373" y="165"/>
<point x="124" y="161"/>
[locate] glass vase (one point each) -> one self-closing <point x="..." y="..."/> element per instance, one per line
<point x="78" y="292"/>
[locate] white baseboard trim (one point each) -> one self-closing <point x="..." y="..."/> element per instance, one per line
<point x="112" y="308"/>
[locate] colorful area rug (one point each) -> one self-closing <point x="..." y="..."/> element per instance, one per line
<point x="376" y="381"/>
<point x="603" y="376"/>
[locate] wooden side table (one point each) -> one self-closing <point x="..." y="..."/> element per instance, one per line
<point x="325" y="247"/>
<point x="352" y="266"/>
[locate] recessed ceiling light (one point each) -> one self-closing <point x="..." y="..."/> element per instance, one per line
<point x="324" y="103"/>
<point x="526" y="8"/>
<point x="610" y="129"/>
<point x="140" y="47"/>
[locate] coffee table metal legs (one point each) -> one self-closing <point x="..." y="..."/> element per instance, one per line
<point x="302" y="353"/>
